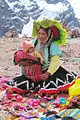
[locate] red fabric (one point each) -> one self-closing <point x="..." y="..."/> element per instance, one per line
<point x="32" y="71"/>
<point x="56" y="33"/>
<point x="20" y="55"/>
<point x="15" y="89"/>
<point x="52" y="90"/>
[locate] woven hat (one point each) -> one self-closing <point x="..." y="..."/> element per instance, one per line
<point x="59" y="33"/>
<point x="26" y="45"/>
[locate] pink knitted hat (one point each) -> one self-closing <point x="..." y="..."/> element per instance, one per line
<point x="26" y="45"/>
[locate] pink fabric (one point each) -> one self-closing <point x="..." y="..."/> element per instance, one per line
<point x="19" y="55"/>
<point x="3" y="79"/>
<point x="26" y="45"/>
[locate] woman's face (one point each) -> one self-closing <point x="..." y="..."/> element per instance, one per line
<point x="42" y="36"/>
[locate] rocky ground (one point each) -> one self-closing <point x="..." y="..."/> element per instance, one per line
<point x="70" y="58"/>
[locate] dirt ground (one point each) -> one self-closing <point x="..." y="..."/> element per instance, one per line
<point x="70" y="59"/>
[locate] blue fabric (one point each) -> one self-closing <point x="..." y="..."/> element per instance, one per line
<point x="33" y="41"/>
<point x="54" y="50"/>
<point x="52" y="117"/>
<point x="22" y="70"/>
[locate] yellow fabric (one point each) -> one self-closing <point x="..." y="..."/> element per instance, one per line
<point x="54" y="64"/>
<point x="37" y="54"/>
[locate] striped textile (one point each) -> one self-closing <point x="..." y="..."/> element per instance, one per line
<point x="19" y="55"/>
<point x="33" y="67"/>
<point x="74" y="113"/>
<point x="33" y="72"/>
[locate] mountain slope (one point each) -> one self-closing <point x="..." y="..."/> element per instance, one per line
<point x="14" y="14"/>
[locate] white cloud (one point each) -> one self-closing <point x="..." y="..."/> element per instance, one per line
<point x="51" y="7"/>
<point x="27" y="29"/>
<point x="76" y="6"/>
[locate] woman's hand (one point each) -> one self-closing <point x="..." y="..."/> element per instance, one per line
<point x="45" y="76"/>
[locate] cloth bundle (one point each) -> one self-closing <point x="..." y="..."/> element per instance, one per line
<point x="32" y="70"/>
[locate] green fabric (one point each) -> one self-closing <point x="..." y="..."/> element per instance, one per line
<point x="48" y="23"/>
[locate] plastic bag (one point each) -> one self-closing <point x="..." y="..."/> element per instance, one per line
<point x="74" y="90"/>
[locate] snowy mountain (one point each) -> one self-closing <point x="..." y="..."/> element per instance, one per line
<point x="20" y="14"/>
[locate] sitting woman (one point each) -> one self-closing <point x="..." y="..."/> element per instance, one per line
<point x="54" y="78"/>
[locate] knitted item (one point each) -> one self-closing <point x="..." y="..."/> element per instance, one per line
<point x="21" y="55"/>
<point x="26" y="45"/>
<point x="31" y="71"/>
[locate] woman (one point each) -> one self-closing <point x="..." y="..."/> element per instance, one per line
<point x="54" y="77"/>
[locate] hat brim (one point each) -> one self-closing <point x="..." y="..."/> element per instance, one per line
<point x="46" y="23"/>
